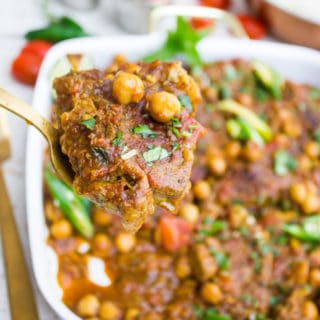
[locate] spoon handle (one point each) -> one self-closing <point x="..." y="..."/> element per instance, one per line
<point x="26" y="112"/>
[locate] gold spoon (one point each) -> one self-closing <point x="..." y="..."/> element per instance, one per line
<point x="26" y="112"/>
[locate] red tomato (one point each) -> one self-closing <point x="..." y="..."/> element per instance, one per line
<point x="37" y="47"/>
<point x="254" y="28"/>
<point x="25" y="68"/>
<point x="175" y="232"/>
<point x="220" y="4"/>
<point x="199" y="23"/>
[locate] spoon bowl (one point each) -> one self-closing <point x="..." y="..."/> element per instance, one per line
<point x="23" y="110"/>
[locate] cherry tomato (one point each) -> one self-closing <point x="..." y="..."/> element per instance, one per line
<point x="37" y="47"/>
<point x="220" y="4"/>
<point x="175" y="232"/>
<point x="254" y="28"/>
<point x="25" y="68"/>
<point x="199" y="23"/>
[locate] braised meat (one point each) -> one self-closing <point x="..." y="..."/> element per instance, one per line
<point x="129" y="134"/>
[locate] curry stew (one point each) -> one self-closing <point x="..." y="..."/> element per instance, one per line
<point x="244" y="244"/>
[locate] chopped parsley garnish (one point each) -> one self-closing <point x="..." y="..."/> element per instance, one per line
<point x="224" y="92"/>
<point x="101" y="154"/>
<point x="89" y="123"/>
<point x="221" y="259"/>
<point x="144" y="131"/>
<point x="185" y="102"/>
<point x="175" y="146"/>
<point x="117" y="141"/>
<point x="314" y="94"/>
<point x="214" y="227"/>
<point x="175" y="124"/>
<point x="154" y="154"/>
<point x="230" y="72"/>
<point x="186" y="134"/>
<point x="284" y="162"/>
<point x="256" y="261"/>
<point x="273" y="301"/>
<point x="317" y="136"/>
<point x="209" y="314"/>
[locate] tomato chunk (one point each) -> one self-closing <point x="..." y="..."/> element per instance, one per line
<point x="25" y="68"/>
<point x="37" y="47"/>
<point x="175" y="232"/>
<point x="254" y="28"/>
<point x="220" y="4"/>
<point x="199" y="23"/>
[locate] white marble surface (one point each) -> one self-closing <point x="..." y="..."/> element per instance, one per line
<point x="17" y="17"/>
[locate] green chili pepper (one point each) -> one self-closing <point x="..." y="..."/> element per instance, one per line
<point x="269" y="78"/>
<point x="309" y="230"/>
<point x="247" y="115"/>
<point x="75" y="208"/>
<point x="60" y="29"/>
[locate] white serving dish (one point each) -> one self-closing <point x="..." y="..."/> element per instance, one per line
<point x="296" y="63"/>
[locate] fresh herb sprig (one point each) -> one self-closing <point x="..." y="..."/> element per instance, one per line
<point x="180" y="42"/>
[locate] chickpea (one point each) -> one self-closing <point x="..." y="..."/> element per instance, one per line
<point x="88" y="306"/>
<point x="201" y="190"/>
<point x="281" y="140"/>
<point x="101" y="244"/>
<point x="298" y="192"/>
<point x="310" y="310"/>
<point x="292" y="128"/>
<point x="232" y="149"/>
<point x="311" y="203"/>
<point x="315" y="277"/>
<point x="217" y="165"/>
<point x="312" y="149"/>
<point x="211" y="293"/>
<point x="182" y="267"/>
<point x="237" y="215"/>
<point x="301" y="272"/>
<point x="61" y="229"/>
<point x="132" y="314"/>
<point x="245" y="99"/>
<point x="127" y="88"/>
<point x="252" y="152"/>
<point x="304" y="163"/>
<point x="163" y="106"/>
<point x="125" y="241"/>
<point x="52" y="212"/>
<point x="190" y="212"/>
<point x="101" y="217"/>
<point x="109" y="311"/>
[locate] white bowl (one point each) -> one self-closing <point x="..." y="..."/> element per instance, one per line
<point x="295" y="63"/>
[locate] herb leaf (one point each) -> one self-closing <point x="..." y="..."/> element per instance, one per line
<point x="284" y="162"/>
<point x="144" y="131"/>
<point x="181" y="41"/>
<point x="185" y="102"/>
<point x="309" y="230"/>
<point x="209" y="314"/>
<point x="317" y="136"/>
<point x="154" y="154"/>
<point x="89" y="123"/>
<point x="117" y="141"/>
<point x="221" y="259"/>
<point x="213" y="227"/>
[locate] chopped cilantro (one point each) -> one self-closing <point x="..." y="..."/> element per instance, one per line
<point x="314" y="93"/>
<point x="117" y="141"/>
<point x="175" y="146"/>
<point x="175" y="124"/>
<point x="154" y="154"/>
<point x="224" y="92"/>
<point x="185" y="102"/>
<point x="144" y="131"/>
<point x="317" y="136"/>
<point x="230" y="72"/>
<point x="284" y="162"/>
<point x="248" y="299"/>
<point x="214" y="227"/>
<point x="186" y="134"/>
<point x="221" y="259"/>
<point x="209" y="314"/>
<point x="273" y="301"/>
<point x="256" y="261"/>
<point x="127" y="153"/>
<point x="89" y="123"/>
